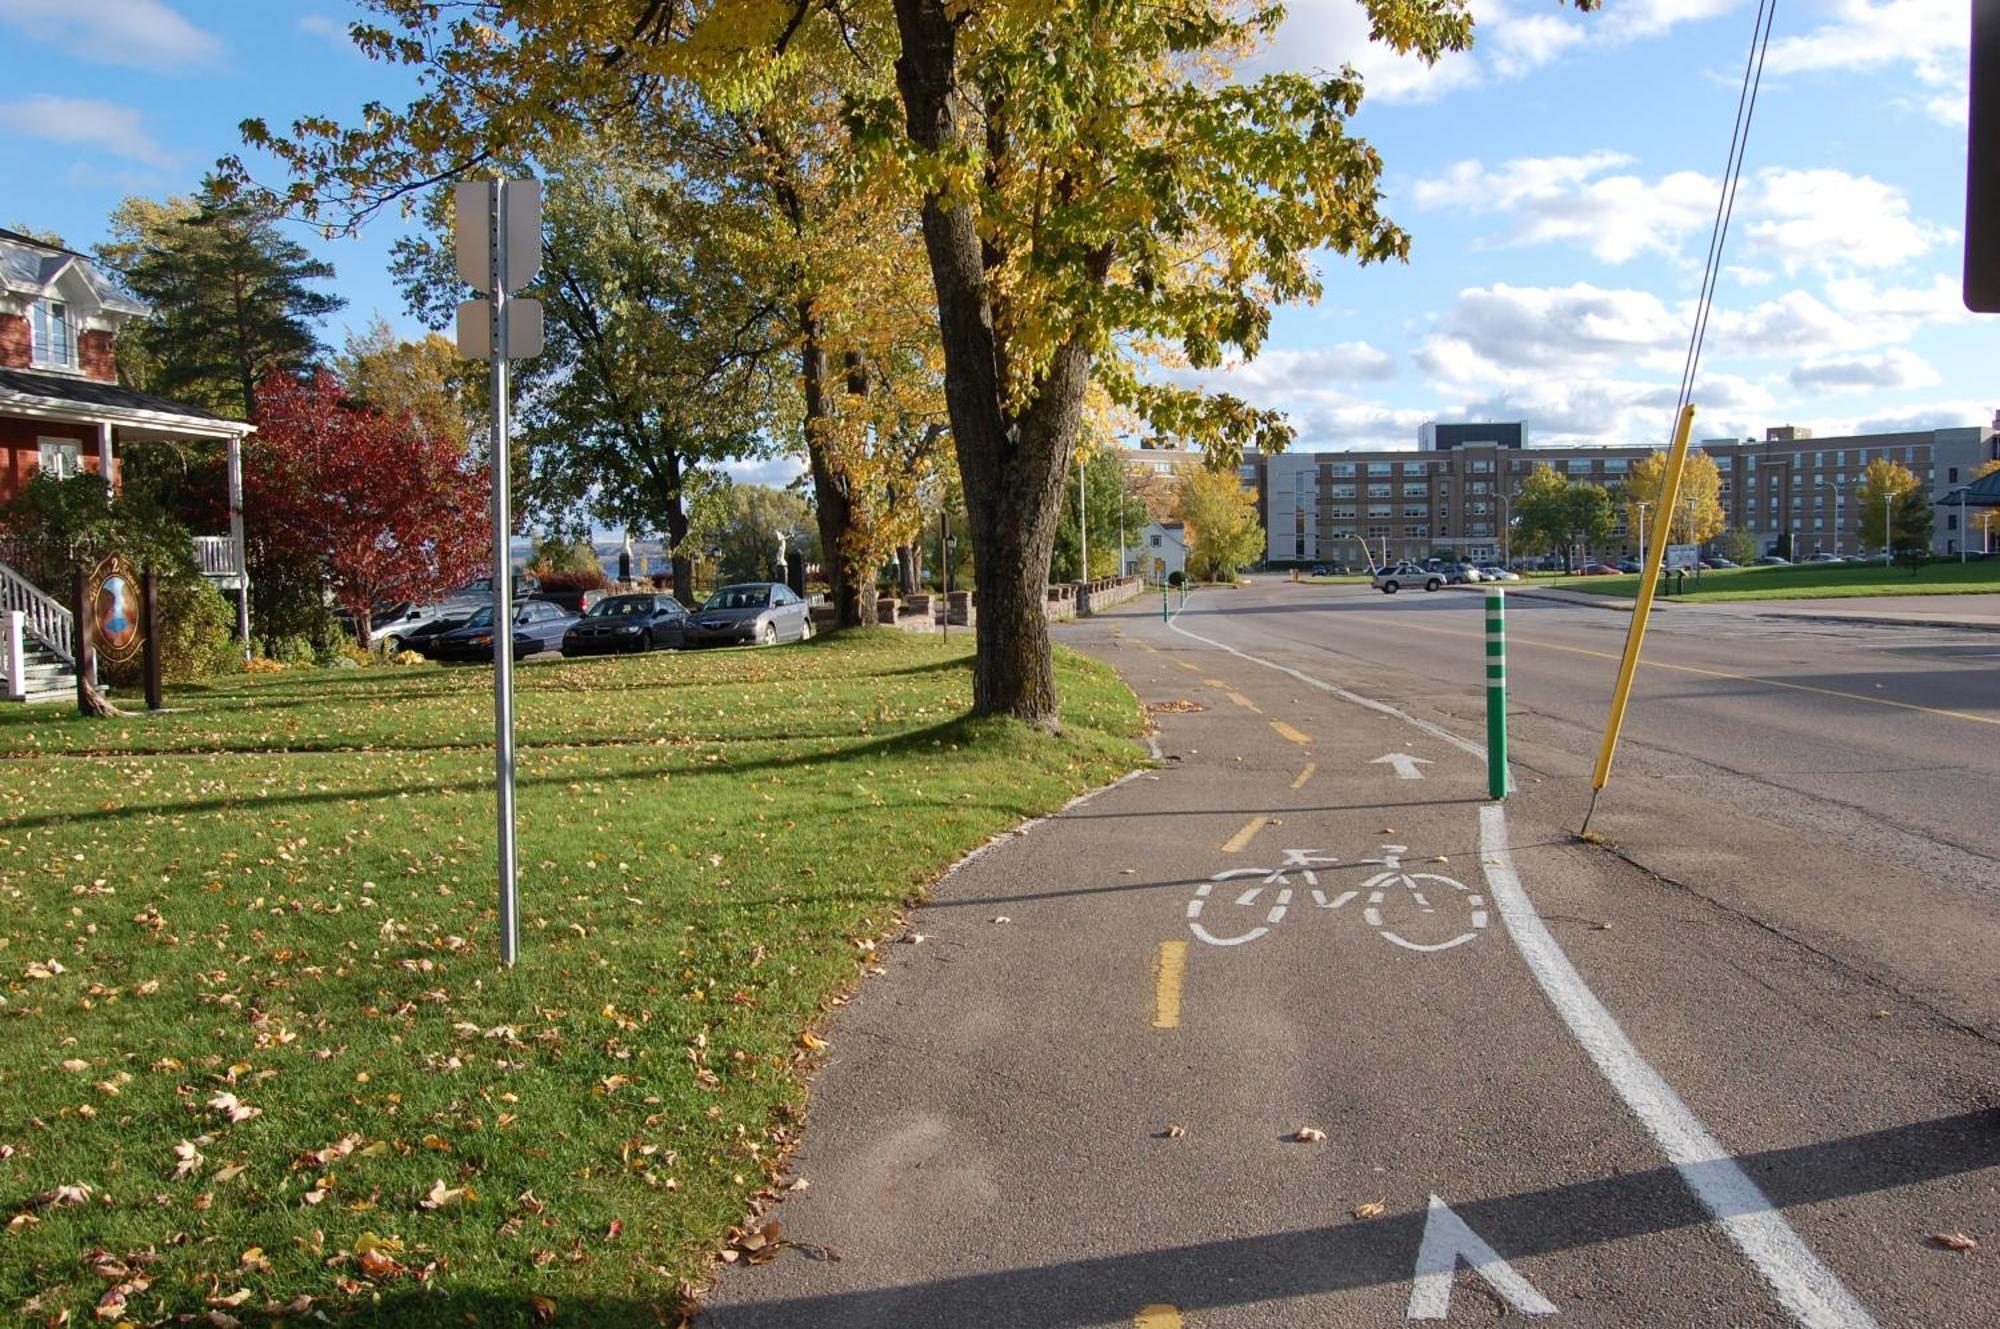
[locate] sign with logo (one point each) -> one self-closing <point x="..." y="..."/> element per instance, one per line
<point x="1683" y="556"/>
<point x="113" y="600"/>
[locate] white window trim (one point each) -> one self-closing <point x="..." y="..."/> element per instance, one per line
<point x="62" y="444"/>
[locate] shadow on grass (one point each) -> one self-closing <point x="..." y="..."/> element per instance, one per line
<point x="964" y="731"/>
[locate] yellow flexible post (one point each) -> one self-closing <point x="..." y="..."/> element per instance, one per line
<point x="1649" y="580"/>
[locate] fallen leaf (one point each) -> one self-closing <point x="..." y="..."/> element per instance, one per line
<point x="75" y="1064"/>
<point x="234" y="1299"/>
<point x="1309" y="1135"/>
<point x="189" y="1160"/>
<point x="1002" y="918"/>
<point x="542" y="1308"/>
<point x="1955" y="1241"/>
<point x="231" y="1107"/>
<point x="230" y="1171"/>
<point x="812" y="1042"/>
<point x="441" y="1195"/>
<point x="1373" y="1209"/>
<point x="377" y="1265"/>
<point x="1174" y="1132"/>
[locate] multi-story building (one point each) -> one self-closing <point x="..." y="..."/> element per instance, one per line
<point x="1454" y="491"/>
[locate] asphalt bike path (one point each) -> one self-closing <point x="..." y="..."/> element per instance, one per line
<point x="1273" y="1034"/>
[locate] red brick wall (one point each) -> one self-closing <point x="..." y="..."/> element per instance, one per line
<point x="16" y="342"/>
<point x="93" y="353"/>
<point x="21" y="453"/>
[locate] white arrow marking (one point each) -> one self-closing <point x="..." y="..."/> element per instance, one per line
<point x="1405" y="764"/>
<point x="1447" y="1240"/>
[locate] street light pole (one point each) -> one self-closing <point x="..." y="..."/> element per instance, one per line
<point x="1642" y="504"/>
<point x="1082" y="525"/>
<point x="1888" y="541"/>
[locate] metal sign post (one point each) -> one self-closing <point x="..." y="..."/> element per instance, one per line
<point x="499" y="246"/>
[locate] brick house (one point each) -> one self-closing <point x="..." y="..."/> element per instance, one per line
<point x="62" y="409"/>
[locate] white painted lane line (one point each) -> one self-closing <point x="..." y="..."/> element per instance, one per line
<point x="1447" y="1240"/>
<point x="1806" y="1288"/>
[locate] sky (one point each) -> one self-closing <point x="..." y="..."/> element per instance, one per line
<point x="1559" y="181"/>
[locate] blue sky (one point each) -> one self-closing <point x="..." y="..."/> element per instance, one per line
<point x="1559" y="181"/>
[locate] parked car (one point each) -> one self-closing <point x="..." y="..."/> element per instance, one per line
<point x="627" y="623"/>
<point x="763" y="612"/>
<point x="1826" y="558"/>
<point x="1718" y="561"/>
<point x="1316" y="571"/>
<point x="1597" y="570"/>
<point x="1773" y="561"/>
<point x="1389" y="580"/>
<point x="538" y="626"/>
<point x="1629" y="565"/>
<point x="1494" y="572"/>
<point x="417" y="626"/>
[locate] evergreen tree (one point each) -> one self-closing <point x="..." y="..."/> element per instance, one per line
<point x="233" y="299"/>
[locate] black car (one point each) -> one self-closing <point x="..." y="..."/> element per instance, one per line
<point x="627" y="623"/>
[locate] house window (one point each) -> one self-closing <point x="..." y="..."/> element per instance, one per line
<point x="55" y="341"/>
<point x="61" y="457"/>
<point x="1156" y="540"/>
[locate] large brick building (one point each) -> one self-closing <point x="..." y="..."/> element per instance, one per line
<point x="1454" y="491"/>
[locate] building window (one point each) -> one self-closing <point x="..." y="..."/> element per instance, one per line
<point x="1478" y="486"/>
<point x="1343" y="468"/>
<point x="1417" y="532"/>
<point x="1481" y="467"/>
<point x="1377" y="532"/>
<point x="1340" y="491"/>
<point x="1418" y="510"/>
<point x="60" y="457"/>
<point x="1951" y="476"/>
<point x="1414" y="467"/>
<point x="1155" y="538"/>
<point x="55" y="340"/>
<point x="1381" y="509"/>
<point x="1378" y="491"/>
<point x="1380" y="468"/>
<point x="1615" y="465"/>
<point x="1247" y="471"/>
<point x="1342" y="513"/>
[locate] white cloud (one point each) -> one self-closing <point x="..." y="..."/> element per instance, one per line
<point x="84" y="122"/>
<point x="1565" y="199"/>
<point x="1491" y="332"/>
<point x="144" y="34"/>
<point x="1830" y="220"/>
<point x="1296" y="373"/>
<point x="1866" y="35"/>
<point x="1893" y="369"/>
<point x="331" y="31"/>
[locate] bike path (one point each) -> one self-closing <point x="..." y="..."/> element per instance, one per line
<point x="1087" y="1114"/>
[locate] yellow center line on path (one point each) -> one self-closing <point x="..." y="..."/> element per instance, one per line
<point x="1157" y="1316"/>
<point x="1188" y="665"/>
<point x="1288" y="733"/>
<point x="1245" y="703"/>
<point x="1720" y="673"/>
<point x="1217" y="684"/>
<point x="1304" y="776"/>
<point x="1168" y="972"/>
<point x="1238" y="842"/>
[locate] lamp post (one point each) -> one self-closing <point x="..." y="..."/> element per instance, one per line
<point x="1888" y="540"/>
<point x="1836" y="515"/>
<point x="1642" y="504"/>
<point x="1506" y="529"/>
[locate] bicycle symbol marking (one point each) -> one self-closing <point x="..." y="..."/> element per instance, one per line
<point x="1388" y="888"/>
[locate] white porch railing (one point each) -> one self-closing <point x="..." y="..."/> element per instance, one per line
<point x="43" y="616"/>
<point x="215" y="555"/>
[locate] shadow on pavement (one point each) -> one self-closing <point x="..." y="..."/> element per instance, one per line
<point x="1346" y="1255"/>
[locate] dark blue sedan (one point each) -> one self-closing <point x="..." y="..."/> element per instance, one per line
<point x="627" y="623"/>
<point x="538" y="626"/>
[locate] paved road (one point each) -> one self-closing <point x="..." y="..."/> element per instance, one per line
<point x="1732" y="1070"/>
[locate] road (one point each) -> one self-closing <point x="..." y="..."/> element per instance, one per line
<point x="1737" y="1066"/>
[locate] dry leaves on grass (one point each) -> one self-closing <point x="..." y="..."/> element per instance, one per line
<point x="188" y="1160"/>
<point x="1179" y="706"/>
<point x="441" y="1195"/>
<point x="232" y="1107"/>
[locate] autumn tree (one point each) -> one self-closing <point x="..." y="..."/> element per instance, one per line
<point x="1895" y="512"/>
<point x="1554" y="514"/>
<point x="232" y="298"/>
<point x="1089" y="179"/>
<point x="1109" y="506"/>
<point x="426" y="380"/>
<point x="389" y="511"/>
<point x="1697" y="516"/>
<point x="1220" y="517"/>
<point x="759" y="520"/>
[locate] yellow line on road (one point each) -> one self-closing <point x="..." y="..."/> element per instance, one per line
<point x="1304" y="776"/>
<point x="1288" y="733"/>
<point x="1158" y="1316"/>
<point x="1217" y="684"/>
<point x="1938" y="711"/>
<point x="1192" y="668"/>
<point x="1245" y="703"/>
<point x="1238" y="842"/>
<point x="1168" y="971"/>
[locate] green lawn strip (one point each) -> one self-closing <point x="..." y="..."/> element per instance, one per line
<point x="313" y="933"/>
<point x="1807" y="582"/>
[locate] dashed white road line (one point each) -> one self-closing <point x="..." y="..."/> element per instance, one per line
<point x="1809" y="1291"/>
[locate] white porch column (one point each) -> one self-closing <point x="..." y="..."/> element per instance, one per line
<point x="104" y="453"/>
<point x="235" y="468"/>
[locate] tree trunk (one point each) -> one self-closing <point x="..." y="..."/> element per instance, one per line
<point x="1012" y="465"/>
<point x="906" y="569"/>
<point x="852" y="587"/>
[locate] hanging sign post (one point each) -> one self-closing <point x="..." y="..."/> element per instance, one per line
<point x="499" y="246"/>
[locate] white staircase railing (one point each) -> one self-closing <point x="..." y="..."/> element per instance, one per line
<point x="215" y="555"/>
<point x="44" y="618"/>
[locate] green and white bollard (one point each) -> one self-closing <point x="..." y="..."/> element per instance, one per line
<point x="1496" y="692"/>
<point x="1165" y="602"/>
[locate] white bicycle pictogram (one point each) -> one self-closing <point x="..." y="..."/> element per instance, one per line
<point x="1307" y="864"/>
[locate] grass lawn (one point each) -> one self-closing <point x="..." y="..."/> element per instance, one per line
<point x="1807" y="582"/>
<point x="257" y="1057"/>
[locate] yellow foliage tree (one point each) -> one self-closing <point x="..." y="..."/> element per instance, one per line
<point x="1697" y="517"/>
<point x="1221" y="520"/>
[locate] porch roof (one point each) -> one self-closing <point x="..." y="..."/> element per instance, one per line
<point x="25" y="392"/>
<point x="1981" y="493"/>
